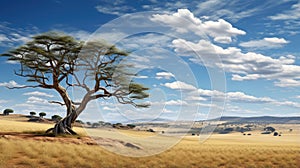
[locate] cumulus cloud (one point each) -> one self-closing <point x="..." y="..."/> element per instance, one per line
<point x="36" y="100"/>
<point x="221" y="31"/>
<point x="239" y="97"/>
<point x="243" y="66"/>
<point x="37" y="93"/>
<point x="164" y="75"/>
<point x="11" y="84"/>
<point x="272" y="42"/>
<point x="180" y="85"/>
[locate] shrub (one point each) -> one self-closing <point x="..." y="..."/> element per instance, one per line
<point x="150" y="130"/>
<point x="7" y="111"/>
<point x="275" y="134"/>
<point x="269" y="129"/>
<point x="226" y="131"/>
<point x="131" y="126"/>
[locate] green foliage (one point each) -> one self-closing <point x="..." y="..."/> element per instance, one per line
<point x="42" y="114"/>
<point x="32" y="113"/>
<point x="79" y="121"/>
<point x="7" y="111"/>
<point x="131" y="126"/>
<point x="56" y="118"/>
<point x="48" y="53"/>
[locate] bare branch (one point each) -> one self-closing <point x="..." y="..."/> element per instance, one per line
<point x="22" y="87"/>
<point x="57" y="102"/>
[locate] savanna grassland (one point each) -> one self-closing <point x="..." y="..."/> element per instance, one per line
<point x="230" y="150"/>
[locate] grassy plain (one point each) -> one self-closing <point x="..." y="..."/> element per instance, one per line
<point x="230" y="150"/>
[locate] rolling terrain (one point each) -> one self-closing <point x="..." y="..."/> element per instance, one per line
<point x="22" y="144"/>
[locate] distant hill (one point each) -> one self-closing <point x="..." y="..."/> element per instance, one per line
<point x="261" y="119"/>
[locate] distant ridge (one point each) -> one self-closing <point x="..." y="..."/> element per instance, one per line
<point x="260" y="119"/>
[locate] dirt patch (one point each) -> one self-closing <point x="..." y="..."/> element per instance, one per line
<point x="70" y="140"/>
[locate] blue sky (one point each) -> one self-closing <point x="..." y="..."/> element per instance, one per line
<point x="202" y="55"/>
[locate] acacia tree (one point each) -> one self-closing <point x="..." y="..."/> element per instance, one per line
<point x="42" y="114"/>
<point x="7" y="111"/>
<point x="52" y="59"/>
<point x="32" y="113"/>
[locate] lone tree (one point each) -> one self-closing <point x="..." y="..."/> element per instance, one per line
<point x="32" y="113"/>
<point x="7" y="111"/>
<point x="42" y="114"/>
<point x="52" y="59"/>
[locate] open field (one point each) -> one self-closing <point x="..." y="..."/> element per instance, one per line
<point x="229" y="150"/>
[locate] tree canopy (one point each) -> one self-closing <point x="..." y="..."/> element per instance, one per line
<point x="7" y="111"/>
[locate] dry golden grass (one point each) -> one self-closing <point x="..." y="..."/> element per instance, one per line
<point x="232" y="150"/>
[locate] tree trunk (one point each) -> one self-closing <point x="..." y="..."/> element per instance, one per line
<point x="64" y="126"/>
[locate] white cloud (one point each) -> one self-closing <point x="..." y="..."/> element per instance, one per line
<point x="221" y="30"/>
<point x="109" y="108"/>
<point x="240" y="97"/>
<point x="164" y="75"/>
<point x="272" y="42"/>
<point x="36" y="100"/>
<point x="243" y="66"/>
<point x="11" y="84"/>
<point x="10" y="37"/>
<point x="176" y="103"/>
<point x="292" y="14"/>
<point x="115" y="9"/>
<point x="80" y="34"/>
<point x="37" y="93"/>
<point x="180" y="86"/>
<point x="141" y="77"/>
<point x="3" y="38"/>
<point x="39" y="104"/>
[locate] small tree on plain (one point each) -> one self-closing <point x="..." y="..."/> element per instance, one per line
<point x="95" y="125"/>
<point x="7" y="111"/>
<point x="42" y="114"/>
<point x="32" y="113"/>
<point x="56" y="118"/>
